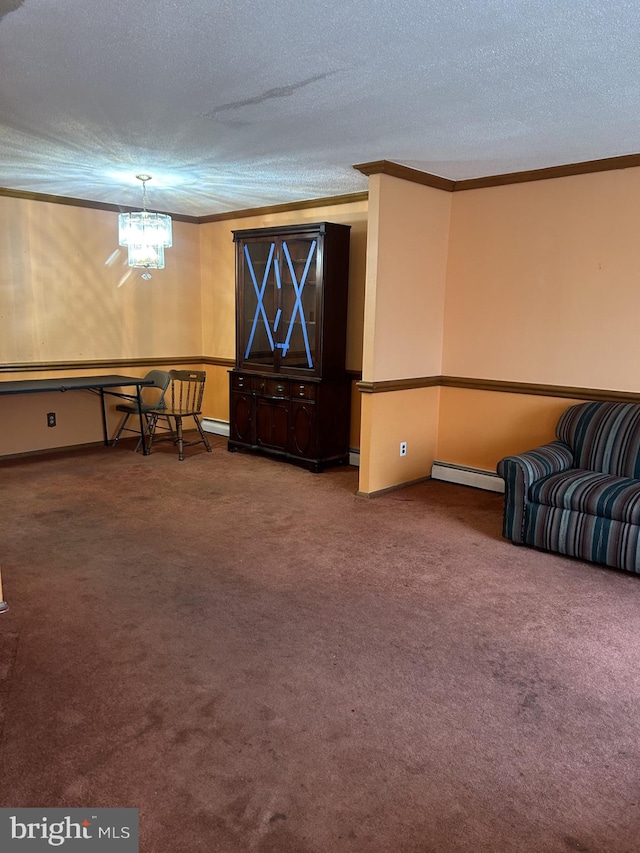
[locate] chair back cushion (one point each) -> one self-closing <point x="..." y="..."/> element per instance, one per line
<point x="604" y="437"/>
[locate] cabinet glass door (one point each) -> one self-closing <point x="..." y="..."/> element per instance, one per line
<point x="297" y="337"/>
<point x="261" y="298"/>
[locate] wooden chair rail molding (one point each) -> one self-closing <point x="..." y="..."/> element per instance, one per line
<point x="571" y="392"/>
<point x="113" y="363"/>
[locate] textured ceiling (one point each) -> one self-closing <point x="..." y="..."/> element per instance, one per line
<point x="231" y="104"/>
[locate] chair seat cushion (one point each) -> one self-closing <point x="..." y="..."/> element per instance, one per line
<point x="604" y="495"/>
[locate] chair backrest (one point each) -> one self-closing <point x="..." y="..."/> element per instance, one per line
<point x="604" y="437"/>
<point x="187" y="390"/>
<point x="154" y="394"/>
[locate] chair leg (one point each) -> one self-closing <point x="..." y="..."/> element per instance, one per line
<point x="120" y="429"/>
<point x="153" y="419"/>
<point x="202" y="433"/>
<point x="180" y="439"/>
<point x="146" y="432"/>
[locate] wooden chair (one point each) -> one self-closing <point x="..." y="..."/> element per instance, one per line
<point x="182" y="400"/>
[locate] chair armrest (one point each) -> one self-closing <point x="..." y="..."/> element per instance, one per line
<point x="520" y="472"/>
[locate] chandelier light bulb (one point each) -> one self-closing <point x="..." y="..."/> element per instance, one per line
<point x="145" y="235"/>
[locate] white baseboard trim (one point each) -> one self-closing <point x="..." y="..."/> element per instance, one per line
<point x="215" y="426"/>
<point x="478" y="478"/>
<point x="354" y="458"/>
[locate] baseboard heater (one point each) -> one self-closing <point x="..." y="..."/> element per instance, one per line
<point x="215" y="426"/>
<point x="478" y="478"/>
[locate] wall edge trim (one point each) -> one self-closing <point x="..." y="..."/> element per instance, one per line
<point x="388" y="385"/>
<point x="393" y="488"/>
<point x="405" y="173"/>
<point x="585" y="167"/>
<point x="346" y="198"/>
<point x="32" y="366"/>
<point x="6" y="192"/>
<point x="571" y="392"/>
<point x="285" y="207"/>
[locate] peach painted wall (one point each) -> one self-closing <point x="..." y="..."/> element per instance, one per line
<point x="404" y="307"/>
<point x="218" y="288"/>
<point x="478" y="428"/>
<point x="387" y="419"/>
<point x="543" y="286"/>
<point x="67" y="294"/>
<point x="543" y="282"/>
<point x="406" y="270"/>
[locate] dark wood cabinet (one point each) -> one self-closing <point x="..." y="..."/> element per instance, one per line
<point x="289" y="391"/>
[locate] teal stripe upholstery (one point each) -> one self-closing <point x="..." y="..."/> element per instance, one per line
<point x="519" y="473"/>
<point x="580" y="495"/>
<point x="589" y="537"/>
<point x="589" y="492"/>
<point x="605" y="437"/>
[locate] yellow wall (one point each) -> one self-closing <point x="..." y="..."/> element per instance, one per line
<point x="66" y="292"/>
<point x="406" y="269"/>
<point x="388" y="419"/>
<point x="478" y="428"/>
<point x="543" y="282"/>
<point x="543" y="286"/>
<point x="403" y="327"/>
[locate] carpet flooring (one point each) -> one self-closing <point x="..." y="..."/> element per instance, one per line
<point x="260" y="660"/>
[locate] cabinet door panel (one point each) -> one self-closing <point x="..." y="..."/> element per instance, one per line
<point x="303" y="428"/>
<point x="241" y="422"/>
<point x="260" y="296"/>
<point x="272" y="423"/>
<point x="299" y="298"/>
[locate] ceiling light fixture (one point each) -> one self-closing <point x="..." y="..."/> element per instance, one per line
<point x="146" y="235"/>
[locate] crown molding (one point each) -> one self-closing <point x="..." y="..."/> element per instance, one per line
<point x="628" y="161"/>
<point x="396" y="170"/>
<point x="94" y="205"/>
<point x="290" y="206"/>
<point x="405" y="173"/>
<point x="348" y="198"/>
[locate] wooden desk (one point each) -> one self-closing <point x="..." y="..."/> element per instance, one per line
<point x="95" y="384"/>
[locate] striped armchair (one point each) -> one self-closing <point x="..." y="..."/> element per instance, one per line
<point x="580" y="495"/>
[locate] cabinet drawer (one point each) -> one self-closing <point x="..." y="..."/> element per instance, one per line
<point x="303" y="390"/>
<point x="240" y="382"/>
<point x="273" y="387"/>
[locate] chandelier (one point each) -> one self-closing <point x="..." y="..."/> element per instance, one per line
<point x="146" y="235"/>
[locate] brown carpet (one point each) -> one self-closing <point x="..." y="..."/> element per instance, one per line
<point x="259" y="660"/>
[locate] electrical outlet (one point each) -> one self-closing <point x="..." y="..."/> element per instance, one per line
<point x="51" y="419"/>
<point x="403" y="448"/>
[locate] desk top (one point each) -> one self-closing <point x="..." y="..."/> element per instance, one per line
<point x="71" y="383"/>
